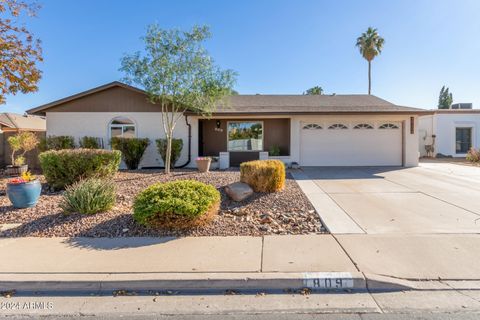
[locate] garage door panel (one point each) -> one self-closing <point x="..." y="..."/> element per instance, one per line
<point x="351" y="147"/>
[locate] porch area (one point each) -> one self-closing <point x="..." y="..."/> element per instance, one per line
<point x="235" y="141"/>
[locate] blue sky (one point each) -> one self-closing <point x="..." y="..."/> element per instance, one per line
<point x="276" y="46"/>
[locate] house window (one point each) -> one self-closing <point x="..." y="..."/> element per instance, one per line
<point x="363" y="126"/>
<point x="337" y="126"/>
<point x="463" y="140"/>
<point x="245" y="136"/>
<point x="312" y="126"/>
<point x="388" y="126"/>
<point x="122" y="127"/>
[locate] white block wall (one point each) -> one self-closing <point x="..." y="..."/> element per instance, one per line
<point x="443" y="125"/>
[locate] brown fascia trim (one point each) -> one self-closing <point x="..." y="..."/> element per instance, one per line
<point x="458" y="111"/>
<point x="40" y="110"/>
<point x="250" y="114"/>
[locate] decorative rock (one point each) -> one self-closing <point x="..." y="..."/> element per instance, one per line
<point x="238" y="191"/>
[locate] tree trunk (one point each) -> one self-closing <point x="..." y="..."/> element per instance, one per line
<point x="369" y="77"/>
<point x="168" y="156"/>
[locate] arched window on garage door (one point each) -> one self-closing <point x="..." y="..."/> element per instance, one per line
<point x="338" y="126"/>
<point x="312" y="126"/>
<point x="363" y="126"/>
<point x="388" y="126"/>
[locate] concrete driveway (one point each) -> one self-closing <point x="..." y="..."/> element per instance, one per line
<point x="432" y="198"/>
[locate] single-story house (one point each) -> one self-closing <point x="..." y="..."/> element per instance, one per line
<point x="452" y="132"/>
<point x="310" y="130"/>
<point x="11" y="124"/>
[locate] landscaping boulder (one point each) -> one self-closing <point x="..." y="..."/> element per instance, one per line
<point x="238" y="191"/>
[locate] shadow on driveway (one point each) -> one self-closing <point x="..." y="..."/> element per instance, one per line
<point x="332" y="173"/>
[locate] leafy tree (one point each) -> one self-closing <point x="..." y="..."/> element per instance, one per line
<point x="179" y="75"/>
<point x="370" y="45"/>
<point x="19" y="51"/>
<point x="445" y="98"/>
<point x="22" y="141"/>
<point x="317" y="90"/>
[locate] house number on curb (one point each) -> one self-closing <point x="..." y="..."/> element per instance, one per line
<point x="328" y="280"/>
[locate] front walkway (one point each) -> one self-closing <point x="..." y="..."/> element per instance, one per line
<point x="427" y="257"/>
<point x="189" y="254"/>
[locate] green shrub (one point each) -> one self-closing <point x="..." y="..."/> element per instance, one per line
<point x="177" y="203"/>
<point x="473" y="155"/>
<point x="89" y="143"/>
<point x="274" y="151"/>
<point x="177" y="146"/>
<point x="89" y="196"/>
<point x="263" y="175"/>
<point x="57" y="143"/>
<point x="132" y="149"/>
<point x="64" y="167"/>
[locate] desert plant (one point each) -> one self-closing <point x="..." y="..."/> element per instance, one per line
<point x="178" y="75"/>
<point x="177" y="146"/>
<point x="89" y="143"/>
<point x="473" y="155"/>
<point x="64" y="167"/>
<point x="263" y="175"/>
<point x="274" y="151"/>
<point x="132" y="149"/>
<point x="180" y="203"/>
<point x="89" y="196"/>
<point x="23" y="141"/>
<point x="57" y="143"/>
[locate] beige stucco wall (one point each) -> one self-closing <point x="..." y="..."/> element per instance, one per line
<point x="411" y="141"/>
<point x="96" y="124"/>
<point x="149" y="125"/>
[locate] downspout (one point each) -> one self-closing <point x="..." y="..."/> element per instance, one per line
<point x="189" y="158"/>
<point x="189" y="149"/>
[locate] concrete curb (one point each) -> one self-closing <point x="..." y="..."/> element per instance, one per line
<point x="182" y="282"/>
<point x="219" y="282"/>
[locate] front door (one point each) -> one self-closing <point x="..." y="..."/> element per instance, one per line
<point x="463" y="140"/>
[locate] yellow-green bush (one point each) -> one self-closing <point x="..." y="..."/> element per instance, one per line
<point x="263" y="175"/>
<point x="176" y="204"/>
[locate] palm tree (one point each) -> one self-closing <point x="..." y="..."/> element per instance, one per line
<point x="317" y="90"/>
<point x="370" y="45"/>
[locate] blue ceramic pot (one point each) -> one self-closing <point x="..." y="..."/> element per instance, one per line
<point x="24" y="195"/>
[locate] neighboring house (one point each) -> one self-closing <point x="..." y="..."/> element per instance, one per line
<point x="311" y="130"/>
<point x="11" y="124"/>
<point x="455" y="131"/>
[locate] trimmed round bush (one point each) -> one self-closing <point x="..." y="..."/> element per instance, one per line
<point x="89" y="196"/>
<point x="64" y="167"/>
<point x="182" y="204"/>
<point x="132" y="149"/>
<point x="263" y="175"/>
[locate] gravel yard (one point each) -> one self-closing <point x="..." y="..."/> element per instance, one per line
<point x="284" y="212"/>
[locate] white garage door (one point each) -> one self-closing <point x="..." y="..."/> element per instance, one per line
<point x="358" y="144"/>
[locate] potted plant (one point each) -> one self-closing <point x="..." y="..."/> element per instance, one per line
<point x="24" y="191"/>
<point x="21" y="142"/>
<point x="203" y="163"/>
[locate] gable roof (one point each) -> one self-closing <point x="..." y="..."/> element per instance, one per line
<point x="22" y="122"/>
<point x="41" y="109"/>
<point x="273" y="104"/>
<point x="306" y="104"/>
